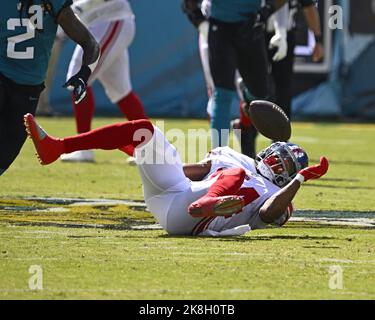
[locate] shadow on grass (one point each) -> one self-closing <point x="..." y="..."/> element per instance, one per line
<point x="331" y="186"/>
<point x="34" y="213"/>
<point x="253" y="238"/>
<point x="348" y="162"/>
<point x="342" y="179"/>
<point x="320" y="247"/>
<point x="128" y="225"/>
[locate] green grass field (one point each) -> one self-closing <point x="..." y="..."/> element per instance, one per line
<point x="105" y="251"/>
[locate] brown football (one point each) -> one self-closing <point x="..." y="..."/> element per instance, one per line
<point x="270" y="120"/>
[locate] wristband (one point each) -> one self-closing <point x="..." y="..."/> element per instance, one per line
<point x="318" y="38"/>
<point x="299" y="177"/>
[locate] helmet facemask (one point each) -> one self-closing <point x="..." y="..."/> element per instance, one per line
<point x="279" y="163"/>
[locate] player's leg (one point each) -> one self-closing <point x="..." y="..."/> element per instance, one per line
<point x="3" y="135"/>
<point x="163" y="179"/>
<point x="221" y="198"/>
<point x="115" y="77"/>
<point x="205" y="60"/>
<point x="253" y="67"/>
<point x="160" y="165"/>
<point x="108" y="137"/>
<point x="204" y="55"/>
<point x="117" y="84"/>
<point x="246" y="132"/>
<point x="282" y="73"/>
<point x="253" y="64"/>
<point x="15" y="101"/>
<point x="222" y="65"/>
<point x="83" y="112"/>
<point x="107" y="34"/>
<point x="114" y="74"/>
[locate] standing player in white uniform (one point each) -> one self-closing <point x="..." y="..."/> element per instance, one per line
<point x="226" y="194"/>
<point x="112" y="23"/>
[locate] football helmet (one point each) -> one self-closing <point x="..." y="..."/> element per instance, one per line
<point x="281" y="161"/>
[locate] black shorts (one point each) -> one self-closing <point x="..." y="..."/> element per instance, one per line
<point x="15" y="101"/>
<point x="238" y="46"/>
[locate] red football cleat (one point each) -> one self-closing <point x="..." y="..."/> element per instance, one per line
<point x="216" y="206"/>
<point x="48" y="148"/>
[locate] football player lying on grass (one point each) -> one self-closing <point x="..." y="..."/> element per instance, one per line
<point x="227" y="193"/>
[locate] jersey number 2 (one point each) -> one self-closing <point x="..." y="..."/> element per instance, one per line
<point x="28" y="53"/>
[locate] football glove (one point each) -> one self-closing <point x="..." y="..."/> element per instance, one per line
<point x="279" y="41"/>
<point x="313" y="172"/>
<point x="78" y="83"/>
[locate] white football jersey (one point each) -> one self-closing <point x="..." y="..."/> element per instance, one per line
<point x="93" y="11"/>
<point x="255" y="189"/>
<point x="226" y="157"/>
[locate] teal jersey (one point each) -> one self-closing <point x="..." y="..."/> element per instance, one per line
<point x="234" y="10"/>
<point x="26" y="42"/>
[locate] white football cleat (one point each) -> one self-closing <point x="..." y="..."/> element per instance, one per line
<point x="78" y="156"/>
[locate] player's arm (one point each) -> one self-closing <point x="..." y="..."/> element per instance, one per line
<point x="197" y="171"/>
<point x="76" y="31"/>
<point x="312" y="18"/>
<point x="276" y="206"/>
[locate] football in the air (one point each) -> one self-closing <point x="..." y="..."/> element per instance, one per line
<point x="270" y="120"/>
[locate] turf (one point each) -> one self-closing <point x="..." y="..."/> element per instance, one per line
<point x="97" y="251"/>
